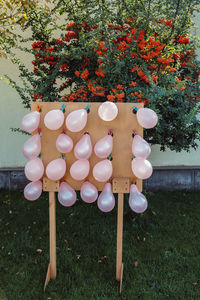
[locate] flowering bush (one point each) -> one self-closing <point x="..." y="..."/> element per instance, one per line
<point x="129" y="61"/>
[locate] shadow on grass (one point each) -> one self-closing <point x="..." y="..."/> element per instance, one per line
<point x="161" y="250"/>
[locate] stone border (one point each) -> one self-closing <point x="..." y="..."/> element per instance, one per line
<point x="169" y="178"/>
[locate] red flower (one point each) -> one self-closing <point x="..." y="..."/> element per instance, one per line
<point x="133" y="83"/>
<point x="120" y="87"/>
<point x="64" y="67"/>
<point x="77" y="73"/>
<point x="168" y="23"/>
<point x="171" y="70"/>
<point x="183" y="40"/>
<point x="110" y="98"/>
<point x="85" y="74"/>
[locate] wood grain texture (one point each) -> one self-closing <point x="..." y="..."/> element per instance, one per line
<point x="122" y="128"/>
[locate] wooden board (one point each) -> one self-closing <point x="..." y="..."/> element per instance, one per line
<point x="122" y="128"/>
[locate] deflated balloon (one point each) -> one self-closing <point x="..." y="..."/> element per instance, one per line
<point x="54" y="119"/>
<point x="83" y="148"/>
<point x="106" y="200"/>
<point x="32" y="147"/>
<point x="34" y="169"/>
<point x="104" y="146"/>
<point x="140" y="148"/>
<point x="33" y="190"/>
<point x="30" y="122"/>
<point x="137" y="201"/>
<point x="56" y="169"/>
<point x="66" y="194"/>
<point x="102" y="171"/>
<point x="64" y="143"/>
<point x="80" y="169"/>
<point x="89" y="192"/>
<point x="76" y="120"/>
<point x="141" y="168"/>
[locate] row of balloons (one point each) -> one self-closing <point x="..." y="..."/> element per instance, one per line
<point x="102" y="171"/>
<point x="89" y="194"/>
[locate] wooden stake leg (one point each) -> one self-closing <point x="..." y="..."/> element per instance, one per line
<point x="51" y="272"/>
<point x="119" y="265"/>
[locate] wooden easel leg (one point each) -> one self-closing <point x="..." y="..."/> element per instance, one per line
<point x="51" y="272"/>
<point x="119" y="265"/>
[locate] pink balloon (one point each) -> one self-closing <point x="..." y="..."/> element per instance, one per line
<point x="76" y="120"/>
<point x="34" y="169"/>
<point x="33" y="190"/>
<point x="102" y="171"/>
<point x="80" y="169"/>
<point x="83" y="148"/>
<point x="30" y="122"/>
<point x="88" y="192"/>
<point x="56" y="169"/>
<point x="108" y="111"/>
<point x="104" y="146"/>
<point x="141" y="168"/>
<point x="64" y="143"/>
<point x="147" y="118"/>
<point x="32" y="147"/>
<point x="140" y="148"/>
<point x="106" y="200"/>
<point x="137" y="201"/>
<point x="66" y="194"/>
<point x="54" y="119"/>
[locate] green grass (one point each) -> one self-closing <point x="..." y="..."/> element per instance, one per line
<point x="165" y="241"/>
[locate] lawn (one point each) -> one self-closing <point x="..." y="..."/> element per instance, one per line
<point x="161" y="251"/>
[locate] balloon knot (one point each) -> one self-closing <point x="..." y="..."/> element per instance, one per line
<point x="134" y="132"/>
<point x="63" y="108"/>
<point x="110" y="132"/>
<point x="135" y="109"/>
<point x="39" y="107"/>
<point x="86" y="132"/>
<point x="110" y="157"/>
<point x="62" y="180"/>
<point x="64" y="131"/>
<point x="133" y="181"/>
<point x="63" y="156"/>
<point x="40" y="131"/>
<point x="87" y="108"/>
<point x="110" y="180"/>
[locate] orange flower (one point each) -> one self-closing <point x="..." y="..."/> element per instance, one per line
<point x="101" y="44"/>
<point x="100" y="73"/>
<point x="183" y="88"/>
<point x="110" y="98"/>
<point x="133" y="69"/>
<point x="171" y="70"/>
<point x="132" y="83"/>
<point x="120" y="87"/>
<point x="85" y="74"/>
<point x="77" y="73"/>
<point x="120" y="96"/>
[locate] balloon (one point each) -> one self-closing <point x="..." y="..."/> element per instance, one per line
<point x="66" y="194"/>
<point x="30" y="122"/>
<point x="56" y="169"/>
<point x="80" y="169"/>
<point x="89" y="192"/>
<point x="64" y="143"/>
<point x="137" y="201"/>
<point x="147" y="118"/>
<point x="33" y="190"/>
<point x="106" y="200"/>
<point x="83" y="148"/>
<point x="108" y="111"/>
<point x="140" y="148"/>
<point x="76" y="120"/>
<point x="34" y="169"/>
<point x="102" y="171"/>
<point x="104" y="146"/>
<point x="54" y="119"/>
<point x="142" y="168"/>
<point x="32" y="147"/>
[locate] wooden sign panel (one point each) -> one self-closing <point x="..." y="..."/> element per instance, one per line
<point x="122" y="128"/>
